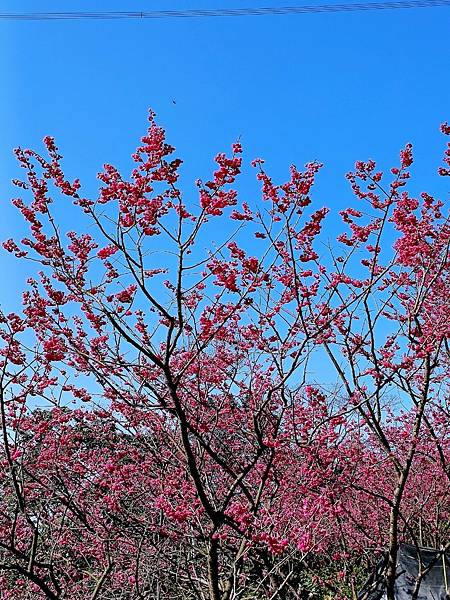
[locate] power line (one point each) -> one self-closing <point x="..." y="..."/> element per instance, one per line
<point x="222" y="12"/>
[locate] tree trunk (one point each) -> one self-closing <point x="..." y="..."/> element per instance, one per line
<point x="213" y="571"/>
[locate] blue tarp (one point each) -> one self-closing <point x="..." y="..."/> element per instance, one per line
<point x="410" y="563"/>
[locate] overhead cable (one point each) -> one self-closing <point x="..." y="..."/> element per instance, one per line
<point x="222" y="12"/>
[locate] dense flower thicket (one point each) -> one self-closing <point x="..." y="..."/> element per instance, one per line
<point x="256" y="420"/>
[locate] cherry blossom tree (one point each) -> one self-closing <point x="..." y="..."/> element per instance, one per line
<point x="201" y="399"/>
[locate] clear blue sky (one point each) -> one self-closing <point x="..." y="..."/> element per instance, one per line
<point x="333" y="87"/>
